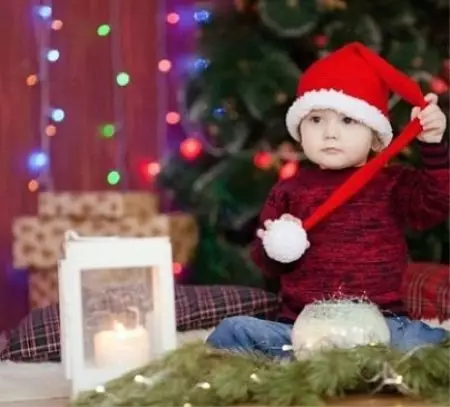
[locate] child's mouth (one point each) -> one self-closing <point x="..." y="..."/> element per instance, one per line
<point x="331" y="150"/>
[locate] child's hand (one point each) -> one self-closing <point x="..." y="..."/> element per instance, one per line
<point x="268" y="224"/>
<point x="432" y="119"/>
<point x="262" y="232"/>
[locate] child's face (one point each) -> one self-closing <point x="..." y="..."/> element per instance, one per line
<point x="334" y="141"/>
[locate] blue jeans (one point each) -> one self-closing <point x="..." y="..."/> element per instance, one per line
<point x="249" y="334"/>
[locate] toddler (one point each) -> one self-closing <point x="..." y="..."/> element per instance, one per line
<point x="339" y="117"/>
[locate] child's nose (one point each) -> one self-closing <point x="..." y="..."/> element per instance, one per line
<point x="331" y="130"/>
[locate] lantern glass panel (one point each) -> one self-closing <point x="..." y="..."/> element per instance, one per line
<point x="117" y="306"/>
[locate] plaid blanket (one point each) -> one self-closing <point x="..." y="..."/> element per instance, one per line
<point x="426" y="292"/>
<point x="37" y="337"/>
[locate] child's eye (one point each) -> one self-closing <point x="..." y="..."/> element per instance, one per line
<point x="348" y="120"/>
<point x="315" y="119"/>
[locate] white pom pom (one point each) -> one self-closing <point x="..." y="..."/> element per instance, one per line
<point x="285" y="241"/>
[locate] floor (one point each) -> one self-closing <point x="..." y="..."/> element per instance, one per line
<point x="379" y="401"/>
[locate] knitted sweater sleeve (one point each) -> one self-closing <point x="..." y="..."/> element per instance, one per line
<point x="275" y="206"/>
<point x="421" y="196"/>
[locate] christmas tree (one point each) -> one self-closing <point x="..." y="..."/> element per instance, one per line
<point x="234" y="108"/>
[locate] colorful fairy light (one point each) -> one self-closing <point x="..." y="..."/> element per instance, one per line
<point x="288" y="170"/>
<point x="263" y="160"/>
<point x="177" y="268"/>
<point x="57" y="115"/>
<point x="191" y="148"/>
<point x="202" y="16"/>
<point x="108" y="130"/>
<point x="56" y="25"/>
<point x="164" y="65"/>
<point x="44" y="11"/>
<point x="173" y="18"/>
<point x="52" y="55"/>
<point x="103" y="30"/>
<point x="50" y="130"/>
<point x="113" y="177"/>
<point x="438" y="85"/>
<point x="153" y="169"/>
<point x="122" y="79"/>
<point x="33" y="185"/>
<point x="32" y="80"/>
<point x="173" y="118"/>
<point x="38" y="161"/>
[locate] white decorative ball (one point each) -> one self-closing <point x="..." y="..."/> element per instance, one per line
<point x="285" y="241"/>
<point x="340" y="324"/>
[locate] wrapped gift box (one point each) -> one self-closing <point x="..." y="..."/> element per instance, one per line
<point x="83" y="205"/>
<point x="42" y="287"/>
<point x="37" y="241"/>
<point x="43" y="290"/>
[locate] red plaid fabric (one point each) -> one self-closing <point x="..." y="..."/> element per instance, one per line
<point x="199" y="308"/>
<point x="426" y="291"/>
<point x="37" y="338"/>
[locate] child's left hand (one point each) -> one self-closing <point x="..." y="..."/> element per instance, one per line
<point x="432" y="119"/>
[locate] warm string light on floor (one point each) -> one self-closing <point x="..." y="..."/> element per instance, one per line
<point x="39" y="161"/>
<point x="387" y="376"/>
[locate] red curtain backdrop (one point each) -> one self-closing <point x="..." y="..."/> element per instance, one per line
<point x="82" y="84"/>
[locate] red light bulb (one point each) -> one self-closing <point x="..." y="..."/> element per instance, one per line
<point x="438" y="85"/>
<point x="177" y="268"/>
<point x="190" y="148"/>
<point x="153" y="169"/>
<point x="288" y="170"/>
<point x="262" y="160"/>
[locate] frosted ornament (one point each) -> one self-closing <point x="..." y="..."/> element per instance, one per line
<point x="285" y="241"/>
<point x="342" y="324"/>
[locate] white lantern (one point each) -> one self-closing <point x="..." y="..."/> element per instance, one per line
<point x="117" y="307"/>
<point x="340" y="324"/>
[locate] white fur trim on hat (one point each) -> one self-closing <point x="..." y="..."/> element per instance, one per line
<point x="355" y="108"/>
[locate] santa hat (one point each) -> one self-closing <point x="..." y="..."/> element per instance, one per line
<point x="354" y="81"/>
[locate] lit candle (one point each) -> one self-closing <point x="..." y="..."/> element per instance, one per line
<point x="121" y="347"/>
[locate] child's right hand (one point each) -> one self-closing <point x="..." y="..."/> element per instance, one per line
<point x="268" y="224"/>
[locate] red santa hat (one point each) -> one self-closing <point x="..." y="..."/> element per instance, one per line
<point x="354" y="81"/>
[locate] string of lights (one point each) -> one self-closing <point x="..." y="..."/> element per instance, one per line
<point x="39" y="163"/>
<point x="39" y="160"/>
<point x="169" y="114"/>
<point x="164" y="67"/>
<point x="119" y="173"/>
<point x="116" y="128"/>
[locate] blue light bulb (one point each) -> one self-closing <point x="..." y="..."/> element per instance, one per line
<point x="53" y="55"/>
<point x="37" y="161"/>
<point x="57" y="115"/>
<point x="45" y="11"/>
<point x="202" y="16"/>
<point x="201" y="64"/>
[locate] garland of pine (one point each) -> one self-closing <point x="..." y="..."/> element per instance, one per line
<point x="197" y="375"/>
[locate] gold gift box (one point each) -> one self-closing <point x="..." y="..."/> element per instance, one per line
<point x="83" y="205"/>
<point x="38" y="241"/>
<point x="42" y="287"/>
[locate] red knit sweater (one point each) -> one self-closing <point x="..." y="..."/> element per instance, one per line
<point x="360" y="249"/>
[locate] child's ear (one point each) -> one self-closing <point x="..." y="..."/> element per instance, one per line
<point x="377" y="144"/>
